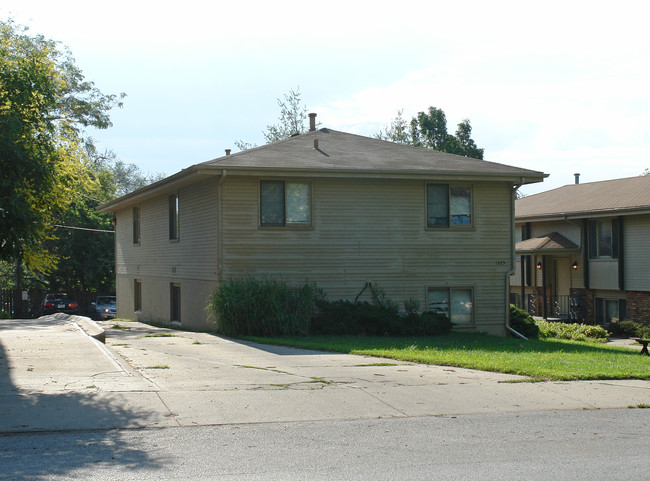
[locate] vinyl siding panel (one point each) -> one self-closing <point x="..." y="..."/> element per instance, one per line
<point x="637" y="256"/>
<point x="570" y="230"/>
<point x="158" y="261"/>
<point x="375" y="231"/>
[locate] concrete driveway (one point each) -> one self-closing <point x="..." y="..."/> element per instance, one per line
<point x="53" y="376"/>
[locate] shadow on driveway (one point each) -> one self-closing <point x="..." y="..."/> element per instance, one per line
<point x="24" y="413"/>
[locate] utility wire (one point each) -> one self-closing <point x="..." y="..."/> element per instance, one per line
<point x="83" y="228"/>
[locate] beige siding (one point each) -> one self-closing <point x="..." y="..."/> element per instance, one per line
<point x="603" y="274"/>
<point x="637" y="253"/>
<point x="190" y="261"/>
<point x="374" y="231"/>
<point x="569" y="229"/>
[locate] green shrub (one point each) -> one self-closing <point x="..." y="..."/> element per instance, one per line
<point x="353" y="318"/>
<point x="362" y="318"/>
<point x="522" y="322"/>
<point x="574" y="332"/>
<point x="262" y="307"/>
<point x="5" y="315"/>
<point x="427" y="323"/>
<point x="630" y="329"/>
<point x="411" y="305"/>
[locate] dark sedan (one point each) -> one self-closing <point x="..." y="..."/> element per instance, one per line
<point x="60" y="302"/>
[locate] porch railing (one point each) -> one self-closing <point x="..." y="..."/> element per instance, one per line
<point x="567" y="308"/>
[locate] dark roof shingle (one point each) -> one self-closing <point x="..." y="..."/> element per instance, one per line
<point x="608" y="196"/>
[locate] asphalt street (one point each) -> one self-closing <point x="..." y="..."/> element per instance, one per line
<point x="586" y="445"/>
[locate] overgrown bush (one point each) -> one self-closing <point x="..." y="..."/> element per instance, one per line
<point x="630" y="329"/>
<point x="427" y="323"/>
<point x="522" y="322"/>
<point x="270" y="308"/>
<point x="411" y="305"/>
<point x="5" y="315"/>
<point x="363" y="318"/>
<point x="353" y="318"/>
<point x="574" y="332"/>
<point x="262" y="307"/>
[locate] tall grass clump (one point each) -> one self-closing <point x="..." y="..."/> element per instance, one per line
<point x="262" y="307"/>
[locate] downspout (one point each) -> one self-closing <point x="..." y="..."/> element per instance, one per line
<point x="512" y="262"/>
<point x="224" y="173"/>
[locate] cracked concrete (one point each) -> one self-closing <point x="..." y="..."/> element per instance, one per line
<point x="58" y="378"/>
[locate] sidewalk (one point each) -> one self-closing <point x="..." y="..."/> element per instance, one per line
<point x="55" y="377"/>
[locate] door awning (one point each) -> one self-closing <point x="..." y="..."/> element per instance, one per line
<point x="553" y="243"/>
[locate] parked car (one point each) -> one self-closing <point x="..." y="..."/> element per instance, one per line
<point x="104" y="307"/>
<point x="60" y="302"/>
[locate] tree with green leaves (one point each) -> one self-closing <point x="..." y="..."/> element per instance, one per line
<point x="293" y="120"/>
<point x="45" y="107"/>
<point x="429" y="130"/>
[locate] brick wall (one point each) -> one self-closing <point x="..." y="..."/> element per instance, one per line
<point x="638" y="307"/>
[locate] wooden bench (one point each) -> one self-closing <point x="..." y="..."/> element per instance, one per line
<point x="644" y="342"/>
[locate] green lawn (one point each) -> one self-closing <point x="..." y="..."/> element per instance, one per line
<point x="549" y="359"/>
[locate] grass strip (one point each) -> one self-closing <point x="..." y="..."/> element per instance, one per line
<point x="544" y="359"/>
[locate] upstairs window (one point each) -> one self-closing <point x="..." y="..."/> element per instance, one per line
<point x="284" y="203"/>
<point x="448" y="206"/>
<point x="603" y="239"/>
<point x="136" y="225"/>
<point x="173" y="217"/>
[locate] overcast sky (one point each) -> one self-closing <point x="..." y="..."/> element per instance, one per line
<point x="560" y="87"/>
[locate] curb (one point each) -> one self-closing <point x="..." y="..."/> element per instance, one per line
<point x="90" y="327"/>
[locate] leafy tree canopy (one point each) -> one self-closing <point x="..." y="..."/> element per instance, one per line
<point x="45" y="105"/>
<point x="429" y="130"/>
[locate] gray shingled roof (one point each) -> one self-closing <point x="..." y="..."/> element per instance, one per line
<point x="553" y="242"/>
<point x="338" y="154"/>
<point x="606" y="197"/>
<point x="340" y="151"/>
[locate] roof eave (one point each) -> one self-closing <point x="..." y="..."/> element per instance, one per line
<point x="583" y="214"/>
<point x="167" y="184"/>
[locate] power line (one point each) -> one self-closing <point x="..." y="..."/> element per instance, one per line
<point x="83" y="228"/>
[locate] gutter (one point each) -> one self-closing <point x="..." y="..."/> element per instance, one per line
<point x="512" y="263"/>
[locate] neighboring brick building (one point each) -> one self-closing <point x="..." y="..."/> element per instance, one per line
<point x="583" y="252"/>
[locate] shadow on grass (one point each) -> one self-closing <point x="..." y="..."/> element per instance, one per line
<point x="540" y="359"/>
<point x="455" y="340"/>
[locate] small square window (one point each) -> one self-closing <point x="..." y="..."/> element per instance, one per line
<point x="284" y="203"/>
<point x="448" y="206"/>
<point x="603" y="239"/>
